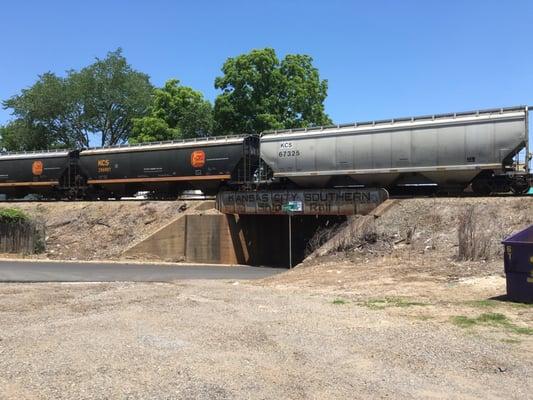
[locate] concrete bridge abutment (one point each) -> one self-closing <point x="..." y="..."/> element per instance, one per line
<point x="253" y="229"/>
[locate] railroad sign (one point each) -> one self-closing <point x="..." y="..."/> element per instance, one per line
<point x="302" y="202"/>
<point x="292" y="207"/>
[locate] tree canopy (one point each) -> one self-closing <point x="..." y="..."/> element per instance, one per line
<point x="101" y="100"/>
<point x="109" y="102"/>
<point x="260" y="92"/>
<point x="112" y="94"/>
<point x="18" y="135"/>
<point x="176" y="112"/>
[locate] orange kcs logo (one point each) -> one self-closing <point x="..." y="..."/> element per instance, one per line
<point x="198" y="159"/>
<point x="37" y="168"/>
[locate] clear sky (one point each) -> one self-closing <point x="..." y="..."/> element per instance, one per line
<point x="382" y="59"/>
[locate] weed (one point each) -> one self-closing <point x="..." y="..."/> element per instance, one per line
<point x="11" y="215"/>
<point x="511" y="341"/>
<point x="521" y="330"/>
<point x="474" y="240"/>
<point x="380" y="304"/>
<point x="494" y="303"/>
<point x="339" y="301"/>
<point x="493" y="318"/>
<point x="482" y="303"/>
<point x="463" y="322"/>
<point x="490" y="319"/>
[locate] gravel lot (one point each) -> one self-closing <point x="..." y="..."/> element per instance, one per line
<point x="235" y="340"/>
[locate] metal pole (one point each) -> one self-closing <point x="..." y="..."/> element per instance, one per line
<point x="290" y="241"/>
<point x="527" y="140"/>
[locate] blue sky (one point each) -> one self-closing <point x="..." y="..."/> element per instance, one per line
<point x="382" y="59"/>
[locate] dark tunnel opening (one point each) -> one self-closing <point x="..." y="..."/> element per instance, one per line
<point x="263" y="240"/>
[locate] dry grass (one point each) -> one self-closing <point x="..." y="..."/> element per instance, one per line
<point x="354" y="234"/>
<point x="474" y="238"/>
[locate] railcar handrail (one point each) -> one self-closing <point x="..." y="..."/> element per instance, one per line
<point x="128" y="145"/>
<point x="48" y="151"/>
<point x="188" y="140"/>
<point x="432" y="117"/>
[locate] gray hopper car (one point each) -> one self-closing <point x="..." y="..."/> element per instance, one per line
<point x="448" y="151"/>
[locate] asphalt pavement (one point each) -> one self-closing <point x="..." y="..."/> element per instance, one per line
<point x="51" y="271"/>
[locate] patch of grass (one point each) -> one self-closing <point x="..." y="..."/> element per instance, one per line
<point x="493" y="319"/>
<point x="482" y="303"/>
<point x="339" y="301"/>
<point x="520" y="305"/>
<point x="463" y="321"/>
<point x="511" y="341"/>
<point x="490" y="319"/>
<point x="12" y="215"/>
<point x="380" y="304"/>
<point x="521" y="330"/>
<point x="495" y="303"/>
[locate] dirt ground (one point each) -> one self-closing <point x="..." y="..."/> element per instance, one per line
<point x="393" y="315"/>
<point x="229" y="340"/>
<point x="416" y="240"/>
<point x="97" y="230"/>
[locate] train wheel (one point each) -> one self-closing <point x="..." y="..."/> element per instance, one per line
<point x="519" y="187"/>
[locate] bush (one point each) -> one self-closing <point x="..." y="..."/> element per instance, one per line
<point x="357" y="233"/>
<point x="19" y="233"/>
<point x="12" y="215"/>
<point x="474" y="240"/>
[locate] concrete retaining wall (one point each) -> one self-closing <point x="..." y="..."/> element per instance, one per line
<point x="214" y="238"/>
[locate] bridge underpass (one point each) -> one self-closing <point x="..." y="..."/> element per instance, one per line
<point x="264" y="239"/>
<point x="252" y="228"/>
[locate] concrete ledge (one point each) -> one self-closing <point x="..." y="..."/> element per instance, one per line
<point x="167" y="243"/>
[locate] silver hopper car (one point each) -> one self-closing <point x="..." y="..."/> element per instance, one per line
<point x="448" y="152"/>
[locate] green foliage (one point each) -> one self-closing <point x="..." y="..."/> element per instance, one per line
<point x="112" y="101"/>
<point x="260" y="93"/>
<point x="112" y="94"/>
<point x="101" y="99"/>
<point x="44" y="116"/>
<point x="10" y="215"/>
<point x="20" y="135"/>
<point x="151" y="129"/>
<point x="177" y="112"/>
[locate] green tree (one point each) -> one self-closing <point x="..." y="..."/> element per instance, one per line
<point x="20" y="135"/>
<point x="260" y="92"/>
<point x="48" y="109"/>
<point x="99" y="101"/>
<point x="111" y="94"/>
<point x="151" y="129"/>
<point x="177" y="112"/>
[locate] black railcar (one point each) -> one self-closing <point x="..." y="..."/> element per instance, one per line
<point x="166" y="169"/>
<point x="47" y="173"/>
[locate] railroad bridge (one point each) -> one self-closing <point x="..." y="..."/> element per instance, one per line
<point x="267" y="228"/>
